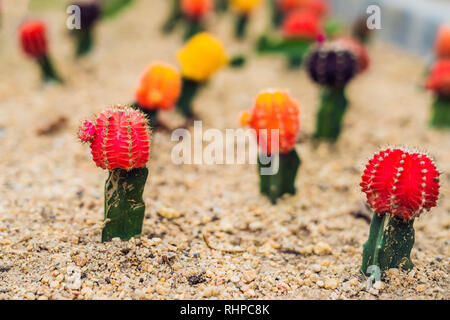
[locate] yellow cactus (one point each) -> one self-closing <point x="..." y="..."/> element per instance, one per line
<point x="245" y="6"/>
<point x="201" y="57"/>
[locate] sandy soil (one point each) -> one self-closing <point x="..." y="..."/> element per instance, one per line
<point x="308" y="246"/>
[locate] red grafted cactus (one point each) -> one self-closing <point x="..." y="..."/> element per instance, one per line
<point x="33" y="38"/>
<point x="120" y="142"/>
<point x="196" y="9"/>
<point x="439" y="78"/>
<point x="401" y="183"/>
<point x="439" y="82"/>
<point x="301" y="24"/>
<point x="120" y="138"/>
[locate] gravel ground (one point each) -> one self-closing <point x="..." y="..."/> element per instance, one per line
<point x="208" y="233"/>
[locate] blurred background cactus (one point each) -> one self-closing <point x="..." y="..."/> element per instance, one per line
<point x="332" y="66"/>
<point x="159" y="89"/>
<point x="34" y="43"/>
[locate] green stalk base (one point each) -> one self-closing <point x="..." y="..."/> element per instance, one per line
<point x="440" y="114"/>
<point x="112" y="8"/>
<point x="174" y="17"/>
<point x="331" y="113"/>
<point x="221" y="6"/>
<point x="240" y="27"/>
<point x="124" y="206"/>
<point x="48" y="72"/>
<point x="277" y="16"/>
<point x="192" y="28"/>
<point x="389" y="245"/>
<point x="237" y="61"/>
<point x="151" y="115"/>
<point x="274" y="186"/>
<point x="189" y="91"/>
<point x="295" y="61"/>
<point x="84" y="40"/>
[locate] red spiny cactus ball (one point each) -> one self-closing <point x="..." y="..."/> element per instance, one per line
<point x="274" y="110"/>
<point x="288" y="5"/>
<point x="196" y="9"/>
<point x="439" y="78"/>
<point x="120" y="138"/>
<point x="301" y="24"/>
<point x="319" y="7"/>
<point x="442" y="42"/>
<point x="33" y="38"/>
<point x="401" y="183"/>
<point x="159" y="88"/>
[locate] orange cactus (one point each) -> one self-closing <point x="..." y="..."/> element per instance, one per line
<point x="274" y="109"/>
<point x="439" y="78"/>
<point x="196" y="9"/>
<point x="442" y="43"/>
<point x="159" y="87"/>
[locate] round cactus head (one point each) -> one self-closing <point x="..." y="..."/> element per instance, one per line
<point x="301" y="24"/>
<point x="33" y="38"/>
<point x="332" y="65"/>
<point x="358" y="49"/>
<point x="120" y="138"/>
<point x="442" y="43"/>
<point x="89" y="14"/>
<point x="401" y="183"/>
<point x="274" y="110"/>
<point x="439" y="78"/>
<point x="201" y="57"/>
<point x="196" y="9"/>
<point x="245" y="6"/>
<point x="319" y="7"/>
<point x="159" y="87"/>
<point x="289" y="5"/>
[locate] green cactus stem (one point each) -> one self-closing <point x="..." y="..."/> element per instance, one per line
<point x="331" y="113"/>
<point x="192" y="28"/>
<point x="151" y="115"/>
<point x="221" y="6"/>
<point x="111" y="8"/>
<point x="189" y="91"/>
<point x="440" y="114"/>
<point x="124" y="206"/>
<point x="389" y="245"/>
<point x="295" y="61"/>
<point x="84" y="41"/>
<point x="240" y="27"/>
<point x="276" y="16"/>
<point x="49" y="73"/>
<point x="293" y="49"/>
<point x="283" y="181"/>
<point x="237" y="61"/>
<point x="174" y="17"/>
